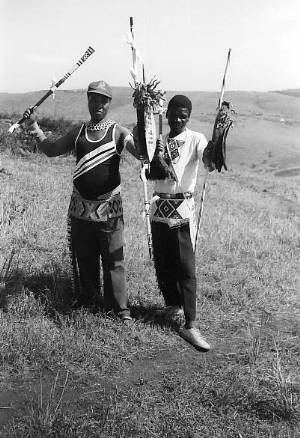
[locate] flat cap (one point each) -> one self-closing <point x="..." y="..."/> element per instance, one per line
<point x="100" y="87"/>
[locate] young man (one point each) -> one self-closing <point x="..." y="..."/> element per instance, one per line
<point x="95" y="213"/>
<point x="174" y="171"/>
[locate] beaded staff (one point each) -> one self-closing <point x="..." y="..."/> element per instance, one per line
<point x="85" y="56"/>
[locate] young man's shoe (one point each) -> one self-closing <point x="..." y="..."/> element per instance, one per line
<point x="194" y="337"/>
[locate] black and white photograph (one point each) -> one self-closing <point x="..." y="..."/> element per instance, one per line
<point x="149" y="219"/>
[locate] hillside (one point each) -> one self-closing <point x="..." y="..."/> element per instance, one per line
<point x="290" y="92"/>
<point x="72" y="103"/>
<point x="266" y="135"/>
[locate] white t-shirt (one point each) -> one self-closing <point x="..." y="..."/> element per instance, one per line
<point x="186" y="165"/>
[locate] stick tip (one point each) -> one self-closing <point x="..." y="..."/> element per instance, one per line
<point x="13" y="127"/>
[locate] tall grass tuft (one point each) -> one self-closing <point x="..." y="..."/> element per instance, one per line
<point x="287" y="389"/>
<point x="7" y="276"/>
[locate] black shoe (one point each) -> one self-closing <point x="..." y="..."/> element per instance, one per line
<point x="125" y="318"/>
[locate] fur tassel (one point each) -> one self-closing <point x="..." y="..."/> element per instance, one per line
<point x="160" y="169"/>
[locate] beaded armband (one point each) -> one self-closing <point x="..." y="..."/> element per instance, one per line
<point x="36" y="131"/>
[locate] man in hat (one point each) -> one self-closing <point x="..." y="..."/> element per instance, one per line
<point x="174" y="172"/>
<point x="95" y="216"/>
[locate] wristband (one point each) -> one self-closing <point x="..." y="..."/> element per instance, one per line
<point x="36" y="131"/>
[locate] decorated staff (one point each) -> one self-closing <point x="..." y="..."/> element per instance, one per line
<point x="147" y="100"/>
<point x="215" y="152"/>
<point x="87" y="53"/>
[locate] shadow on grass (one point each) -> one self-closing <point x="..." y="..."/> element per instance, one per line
<point x="53" y="291"/>
<point x="154" y="316"/>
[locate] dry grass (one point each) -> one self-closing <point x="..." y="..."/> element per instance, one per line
<point x="81" y="374"/>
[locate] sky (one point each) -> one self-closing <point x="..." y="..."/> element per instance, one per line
<point x="183" y="43"/>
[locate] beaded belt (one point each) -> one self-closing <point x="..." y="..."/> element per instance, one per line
<point x="107" y="206"/>
<point x="185" y="195"/>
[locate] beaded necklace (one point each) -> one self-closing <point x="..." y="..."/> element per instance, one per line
<point x="99" y="126"/>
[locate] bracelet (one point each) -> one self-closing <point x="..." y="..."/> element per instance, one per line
<point x="36" y="131"/>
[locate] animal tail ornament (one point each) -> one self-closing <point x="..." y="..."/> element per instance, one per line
<point x="217" y="145"/>
<point x="72" y="263"/>
<point x="85" y="56"/>
<point x="222" y="124"/>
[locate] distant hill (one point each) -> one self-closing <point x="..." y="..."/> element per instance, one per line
<point x="290" y="92"/>
<point x="71" y="104"/>
<point x="266" y="133"/>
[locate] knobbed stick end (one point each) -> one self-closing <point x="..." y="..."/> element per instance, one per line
<point x="13" y="127"/>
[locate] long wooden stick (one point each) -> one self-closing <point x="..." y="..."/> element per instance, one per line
<point x="224" y="78"/>
<point x="85" y="56"/>
<point x="204" y="183"/>
<point x="144" y="163"/>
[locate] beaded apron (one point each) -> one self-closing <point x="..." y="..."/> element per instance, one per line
<point x="174" y="212"/>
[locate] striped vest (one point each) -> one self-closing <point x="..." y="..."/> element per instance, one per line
<point x="97" y="164"/>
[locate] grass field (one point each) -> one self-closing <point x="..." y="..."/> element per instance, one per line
<point x="82" y="374"/>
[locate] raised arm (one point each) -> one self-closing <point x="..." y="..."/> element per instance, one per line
<point x="125" y="139"/>
<point x="49" y="146"/>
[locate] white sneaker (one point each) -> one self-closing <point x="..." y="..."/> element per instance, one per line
<point x="193" y="336"/>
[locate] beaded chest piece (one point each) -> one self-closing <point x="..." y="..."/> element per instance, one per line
<point x="173" y="148"/>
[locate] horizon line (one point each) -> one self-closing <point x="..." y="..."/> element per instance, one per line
<point x="166" y="91"/>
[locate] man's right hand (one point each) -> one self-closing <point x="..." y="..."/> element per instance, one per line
<point x="160" y="147"/>
<point x="30" y="116"/>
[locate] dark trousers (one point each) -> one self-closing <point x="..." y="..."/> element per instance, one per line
<point x="89" y="242"/>
<point x="174" y="261"/>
